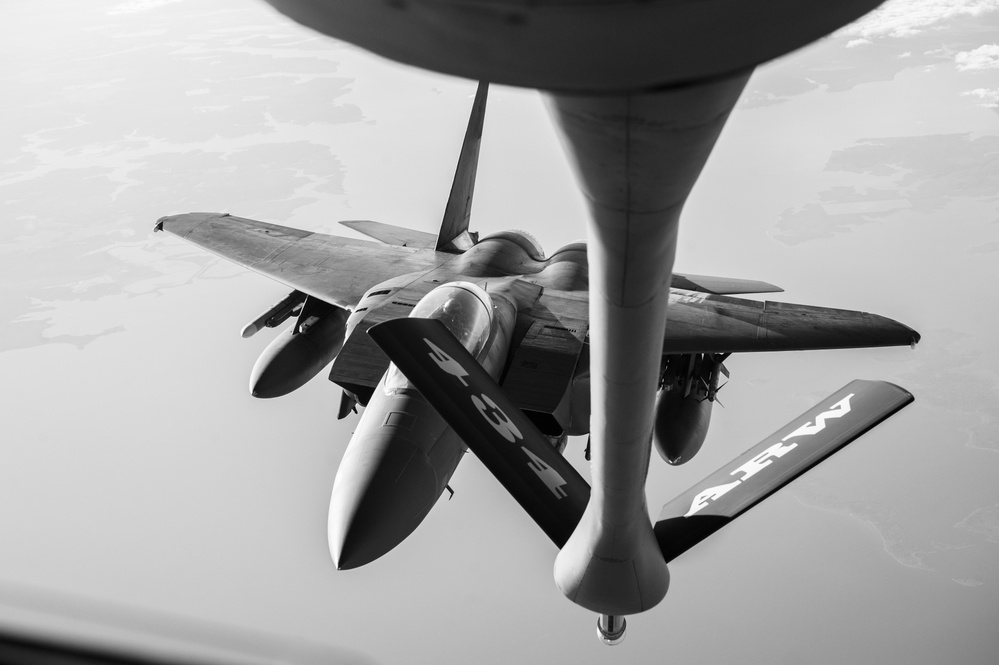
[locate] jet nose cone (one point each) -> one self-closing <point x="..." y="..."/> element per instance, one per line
<point x="384" y="488"/>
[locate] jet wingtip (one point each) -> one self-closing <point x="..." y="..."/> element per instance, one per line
<point x="906" y="334"/>
<point x="884" y="331"/>
<point x="183" y="223"/>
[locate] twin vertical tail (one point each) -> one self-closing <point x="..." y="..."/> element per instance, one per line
<point x="454" y="235"/>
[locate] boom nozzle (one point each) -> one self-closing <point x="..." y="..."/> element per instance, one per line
<point x="610" y="628"/>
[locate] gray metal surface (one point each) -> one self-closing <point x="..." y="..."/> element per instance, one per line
<point x="582" y="45"/>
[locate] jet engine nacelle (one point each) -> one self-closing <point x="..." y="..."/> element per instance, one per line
<point x="681" y="425"/>
<point x="301" y="352"/>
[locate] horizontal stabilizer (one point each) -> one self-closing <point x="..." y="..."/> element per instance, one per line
<point x="721" y="285"/>
<point x="774" y="462"/>
<point x="700" y="323"/>
<point x="392" y="235"/>
<point x="473" y="404"/>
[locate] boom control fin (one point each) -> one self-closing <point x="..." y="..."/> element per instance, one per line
<point x="475" y="406"/>
<point x="774" y="462"/>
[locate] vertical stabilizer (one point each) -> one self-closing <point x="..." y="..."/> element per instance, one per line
<point x="454" y="228"/>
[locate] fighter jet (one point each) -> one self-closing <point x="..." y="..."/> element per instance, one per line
<point x="451" y="341"/>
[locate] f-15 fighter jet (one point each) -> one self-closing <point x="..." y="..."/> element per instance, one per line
<point x="452" y="341"/>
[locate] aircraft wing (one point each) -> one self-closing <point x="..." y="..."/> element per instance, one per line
<point x="777" y="460"/>
<point x="336" y="270"/>
<point x="702" y="323"/>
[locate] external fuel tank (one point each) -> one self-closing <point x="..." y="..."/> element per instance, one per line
<point x="301" y="352"/>
<point x="681" y="425"/>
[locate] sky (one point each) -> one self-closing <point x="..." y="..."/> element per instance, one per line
<point x="141" y="484"/>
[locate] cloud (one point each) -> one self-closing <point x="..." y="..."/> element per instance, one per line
<point x="990" y="98"/>
<point x="137" y="6"/>
<point x="987" y="248"/>
<point x="896" y="176"/>
<point x="906" y="18"/>
<point x="983" y="57"/>
<point x="983" y="522"/>
<point x="813" y="222"/>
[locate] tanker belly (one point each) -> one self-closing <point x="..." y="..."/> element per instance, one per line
<point x="396" y="466"/>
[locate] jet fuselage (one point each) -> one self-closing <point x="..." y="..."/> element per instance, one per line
<point x="402" y="453"/>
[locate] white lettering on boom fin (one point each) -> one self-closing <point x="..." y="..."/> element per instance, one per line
<point x="764" y="459"/>
<point x="548" y="475"/>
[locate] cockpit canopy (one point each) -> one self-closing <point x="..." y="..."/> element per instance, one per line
<point x="464" y="309"/>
